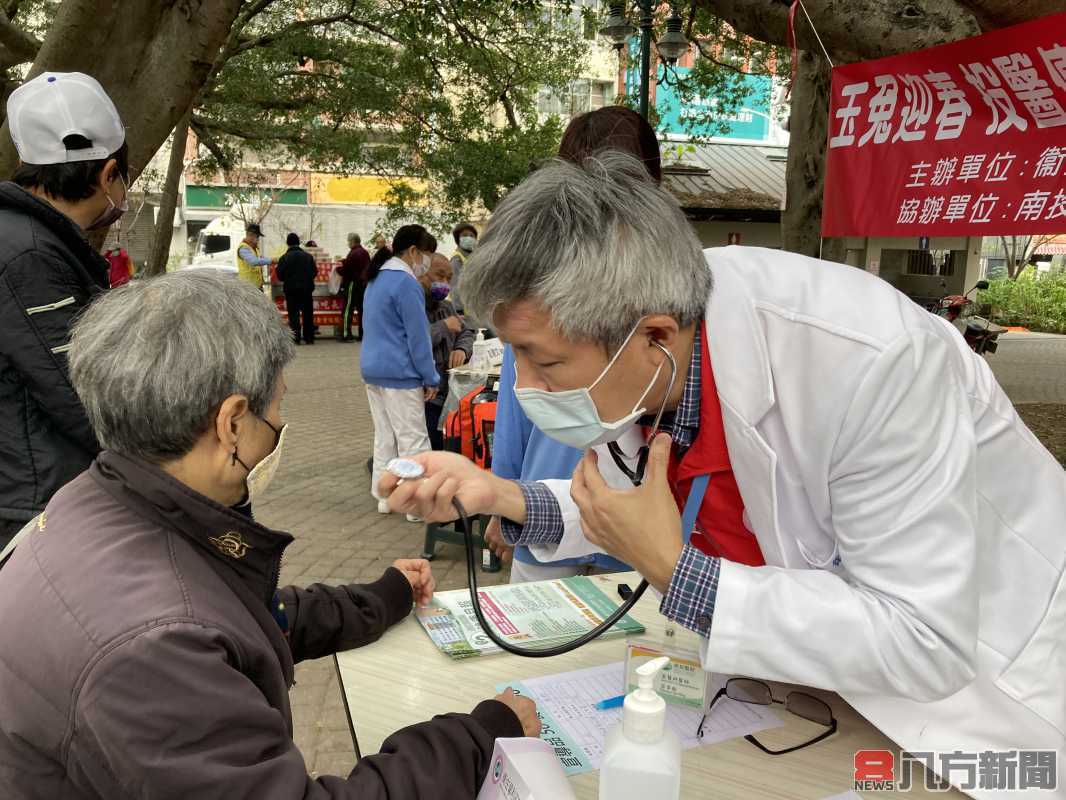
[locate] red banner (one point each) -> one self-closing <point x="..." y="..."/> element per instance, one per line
<point x="965" y="139"/>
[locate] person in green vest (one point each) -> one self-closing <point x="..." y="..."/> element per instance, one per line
<point x="249" y="262"/>
<point x="465" y="235"/>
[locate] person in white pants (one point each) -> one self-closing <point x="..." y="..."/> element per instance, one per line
<point x="397" y="357"/>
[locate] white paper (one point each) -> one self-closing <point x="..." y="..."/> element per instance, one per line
<point x="569" y="698"/>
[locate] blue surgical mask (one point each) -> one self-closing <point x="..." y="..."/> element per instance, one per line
<point x="571" y="417"/>
<point x="439" y="290"/>
<point x="467" y="243"/>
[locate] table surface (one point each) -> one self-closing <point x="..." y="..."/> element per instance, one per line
<point x="423" y="682"/>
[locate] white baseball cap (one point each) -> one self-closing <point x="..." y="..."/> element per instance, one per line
<point x="54" y="105"/>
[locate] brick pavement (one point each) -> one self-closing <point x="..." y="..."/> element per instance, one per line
<point x="322" y="495"/>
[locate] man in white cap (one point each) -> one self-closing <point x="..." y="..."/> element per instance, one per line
<point x="72" y="177"/>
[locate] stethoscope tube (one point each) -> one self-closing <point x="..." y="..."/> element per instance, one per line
<point x="636" y="477"/>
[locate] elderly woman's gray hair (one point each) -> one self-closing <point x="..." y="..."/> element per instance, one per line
<point x="153" y="360"/>
<point x="599" y="244"/>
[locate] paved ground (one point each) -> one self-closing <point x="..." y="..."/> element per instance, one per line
<point x="322" y="495"/>
<point x="1031" y="367"/>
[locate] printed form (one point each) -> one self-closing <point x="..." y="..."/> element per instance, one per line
<point x="572" y="725"/>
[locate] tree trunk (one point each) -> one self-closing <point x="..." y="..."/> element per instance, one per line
<point x="151" y="56"/>
<point x="801" y="222"/>
<point x="164" y="225"/>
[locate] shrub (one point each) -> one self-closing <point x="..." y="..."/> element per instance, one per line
<point x="1035" y="301"/>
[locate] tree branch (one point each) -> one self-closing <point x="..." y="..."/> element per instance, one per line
<point x="242" y="133"/>
<point x="859" y="29"/>
<point x="270" y="38"/>
<point x="17" y="42"/>
<point x="704" y="53"/>
<point x="205" y="137"/>
<point x="508" y="109"/>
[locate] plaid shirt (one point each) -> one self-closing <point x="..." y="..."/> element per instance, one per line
<point x="689" y="600"/>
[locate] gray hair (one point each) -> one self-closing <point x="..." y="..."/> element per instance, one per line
<point x="353" y="238"/>
<point x="598" y="244"/>
<point x="153" y="360"/>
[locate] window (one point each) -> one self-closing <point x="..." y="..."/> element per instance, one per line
<point x="930" y="262"/>
<point x="211" y="243"/>
<point x="602" y="94"/>
<point x="579" y="97"/>
<point x="592" y="27"/>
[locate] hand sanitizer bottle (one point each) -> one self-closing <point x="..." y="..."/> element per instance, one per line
<point x="642" y="758"/>
<point x="478" y="361"/>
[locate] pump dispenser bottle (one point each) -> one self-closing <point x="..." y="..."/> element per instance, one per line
<point x="642" y="758"/>
<point x="479" y="362"/>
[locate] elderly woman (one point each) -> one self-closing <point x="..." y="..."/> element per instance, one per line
<point x="145" y="647"/>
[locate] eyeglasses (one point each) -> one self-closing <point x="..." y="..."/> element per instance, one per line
<point x="746" y="690"/>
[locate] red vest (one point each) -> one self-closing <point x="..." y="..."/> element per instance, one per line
<point x="720" y="529"/>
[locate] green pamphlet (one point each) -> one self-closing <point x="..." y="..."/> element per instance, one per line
<point x="540" y="614"/>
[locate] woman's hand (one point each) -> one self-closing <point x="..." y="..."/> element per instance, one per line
<point x="523" y="708"/>
<point x="457" y="359"/>
<point x="497" y="544"/>
<point x="420" y="575"/>
<point x="454" y="324"/>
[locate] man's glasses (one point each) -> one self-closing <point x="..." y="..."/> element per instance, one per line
<point x="746" y="690"/>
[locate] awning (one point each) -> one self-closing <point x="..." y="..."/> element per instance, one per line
<point x="1054" y="247"/>
<point x="727" y="177"/>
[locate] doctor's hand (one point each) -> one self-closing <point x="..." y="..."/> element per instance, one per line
<point x="448" y="476"/>
<point x="641" y="526"/>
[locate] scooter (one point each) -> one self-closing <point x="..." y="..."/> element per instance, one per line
<point x="958" y="309"/>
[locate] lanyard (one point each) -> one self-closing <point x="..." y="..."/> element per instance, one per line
<point x="692" y="505"/>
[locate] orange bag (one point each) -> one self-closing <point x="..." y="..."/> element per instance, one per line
<point x="469" y="429"/>
<point x="484" y="425"/>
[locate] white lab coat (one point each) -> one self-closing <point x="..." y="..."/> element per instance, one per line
<point x="914" y="530"/>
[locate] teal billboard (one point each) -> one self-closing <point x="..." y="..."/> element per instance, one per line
<point x="700" y="115"/>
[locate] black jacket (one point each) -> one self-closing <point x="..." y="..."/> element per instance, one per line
<point x="444" y="342"/>
<point x="297" y="270"/>
<point x="48" y="274"/>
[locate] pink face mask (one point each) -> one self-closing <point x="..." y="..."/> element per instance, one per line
<point x="112" y="215"/>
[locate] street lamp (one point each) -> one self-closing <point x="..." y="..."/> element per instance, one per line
<point x="674" y="43"/>
<point x="618" y="29"/>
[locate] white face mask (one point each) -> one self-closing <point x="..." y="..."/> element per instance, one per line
<point x="260" y="476"/>
<point x="571" y="417"/>
<point x="467" y="243"/>
<point x="421" y="265"/>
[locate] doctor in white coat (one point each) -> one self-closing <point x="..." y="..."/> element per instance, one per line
<point x="909" y="530"/>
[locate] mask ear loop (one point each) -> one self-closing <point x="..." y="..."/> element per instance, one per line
<point x="636" y="477"/>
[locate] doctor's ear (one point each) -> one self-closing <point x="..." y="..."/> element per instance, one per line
<point x="661" y="328"/>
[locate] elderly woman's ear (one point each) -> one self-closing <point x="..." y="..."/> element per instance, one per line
<point x="231" y="416"/>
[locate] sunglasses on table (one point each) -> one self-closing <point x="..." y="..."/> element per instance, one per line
<point x="746" y="690"/>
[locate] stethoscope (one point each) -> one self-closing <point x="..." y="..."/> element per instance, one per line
<point x="406" y="469"/>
